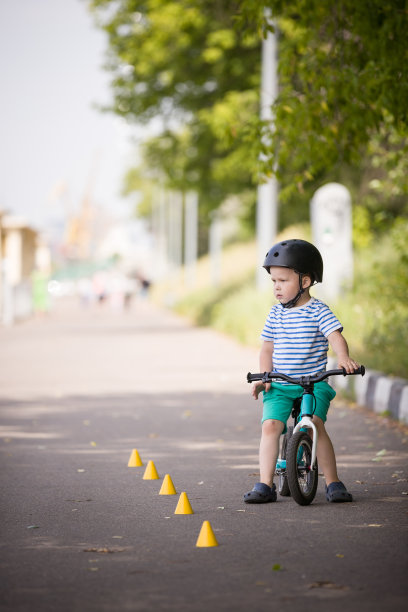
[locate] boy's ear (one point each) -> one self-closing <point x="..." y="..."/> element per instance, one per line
<point x="306" y="281"/>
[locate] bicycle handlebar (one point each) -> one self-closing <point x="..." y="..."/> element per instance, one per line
<point x="303" y="380"/>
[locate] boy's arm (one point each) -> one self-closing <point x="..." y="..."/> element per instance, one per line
<point x="340" y="347"/>
<point x="265" y="365"/>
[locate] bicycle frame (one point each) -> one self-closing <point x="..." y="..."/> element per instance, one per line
<point x="306" y="412"/>
<point x="304" y="422"/>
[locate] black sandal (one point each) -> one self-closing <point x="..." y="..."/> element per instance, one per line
<point x="337" y="492"/>
<point x="261" y="494"/>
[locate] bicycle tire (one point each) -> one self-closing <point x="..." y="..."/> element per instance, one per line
<point x="283" y="485"/>
<point x="302" y="479"/>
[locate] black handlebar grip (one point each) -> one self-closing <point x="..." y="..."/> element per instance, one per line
<point x="360" y="370"/>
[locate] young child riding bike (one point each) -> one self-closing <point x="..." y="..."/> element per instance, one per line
<point x="296" y="338"/>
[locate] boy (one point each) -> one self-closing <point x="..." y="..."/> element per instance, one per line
<point x="296" y="336"/>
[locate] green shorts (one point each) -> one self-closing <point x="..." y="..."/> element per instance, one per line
<point x="278" y="401"/>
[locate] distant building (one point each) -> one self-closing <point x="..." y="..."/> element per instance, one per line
<point x="18" y="259"/>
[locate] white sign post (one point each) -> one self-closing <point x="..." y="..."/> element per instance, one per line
<point x="332" y="235"/>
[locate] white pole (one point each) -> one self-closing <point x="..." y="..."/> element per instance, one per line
<point x="161" y="234"/>
<point x="267" y="205"/>
<point x="178" y="229"/>
<point x="175" y="228"/>
<point x="190" y="237"/>
<point x="215" y="250"/>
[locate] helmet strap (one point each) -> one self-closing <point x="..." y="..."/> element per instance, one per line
<point x="297" y="297"/>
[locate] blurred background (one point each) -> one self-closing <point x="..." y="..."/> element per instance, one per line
<point x="158" y="149"/>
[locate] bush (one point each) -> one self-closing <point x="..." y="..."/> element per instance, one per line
<point x="375" y="312"/>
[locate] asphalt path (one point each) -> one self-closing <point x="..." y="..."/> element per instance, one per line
<point x="81" y="531"/>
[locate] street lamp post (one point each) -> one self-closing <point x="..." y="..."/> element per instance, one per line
<point x="267" y="201"/>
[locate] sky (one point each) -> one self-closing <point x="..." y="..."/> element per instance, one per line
<point x="54" y="145"/>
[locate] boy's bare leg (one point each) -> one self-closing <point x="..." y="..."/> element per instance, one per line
<point x="325" y="453"/>
<point x="269" y="449"/>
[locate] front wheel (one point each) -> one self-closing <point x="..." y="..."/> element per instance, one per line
<point x="302" y="479"/>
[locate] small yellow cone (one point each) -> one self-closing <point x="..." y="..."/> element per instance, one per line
<point x="167" y="487"/>
<point x="206" y="537"/>
<point x="150" y="472"/>
<point x="135" y="460"/>
<point x="183" y="505"/>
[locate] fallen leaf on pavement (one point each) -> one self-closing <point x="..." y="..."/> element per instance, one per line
<point x="104" y="550"/>
<point x="326" y="584"/>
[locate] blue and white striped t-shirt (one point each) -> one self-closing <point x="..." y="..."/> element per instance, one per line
<point x="299" y="337"/>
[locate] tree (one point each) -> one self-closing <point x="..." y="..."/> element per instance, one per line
<point x="185" y="62"/>
<point x="343" y="73"/>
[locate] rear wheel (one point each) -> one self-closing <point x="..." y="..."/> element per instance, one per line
<point x="302" y="479"/>
<point x="283" y="485"/>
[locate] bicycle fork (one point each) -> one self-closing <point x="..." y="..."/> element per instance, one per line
<point x="304" y="424"/>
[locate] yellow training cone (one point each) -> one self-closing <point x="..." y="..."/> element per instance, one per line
<point x="167" y="487"/>
<point x="150" y="472"/>
<point x="206" y="537"/>
<point x="183" y="505"/>
<point x="135" y="460"/>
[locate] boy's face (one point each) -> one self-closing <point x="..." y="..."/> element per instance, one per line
<point x="286" y="284"/>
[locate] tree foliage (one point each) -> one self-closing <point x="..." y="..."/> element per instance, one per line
<point x="341" y="113"/>
<point x="185" y="62"/>
<point x="343" y="76"/>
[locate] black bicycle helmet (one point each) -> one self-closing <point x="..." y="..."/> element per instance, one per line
<point x="301" y="256"/>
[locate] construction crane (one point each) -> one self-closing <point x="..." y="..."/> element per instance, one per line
<point x="79" y="229"/>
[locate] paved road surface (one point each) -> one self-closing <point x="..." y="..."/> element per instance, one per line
<point x="83" y="532"/>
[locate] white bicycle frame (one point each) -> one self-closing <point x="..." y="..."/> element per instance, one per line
<point x="307" y="422"/>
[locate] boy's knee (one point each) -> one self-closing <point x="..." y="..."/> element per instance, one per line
<point x="319" y="423"/>
<point x="272" y="427"/>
